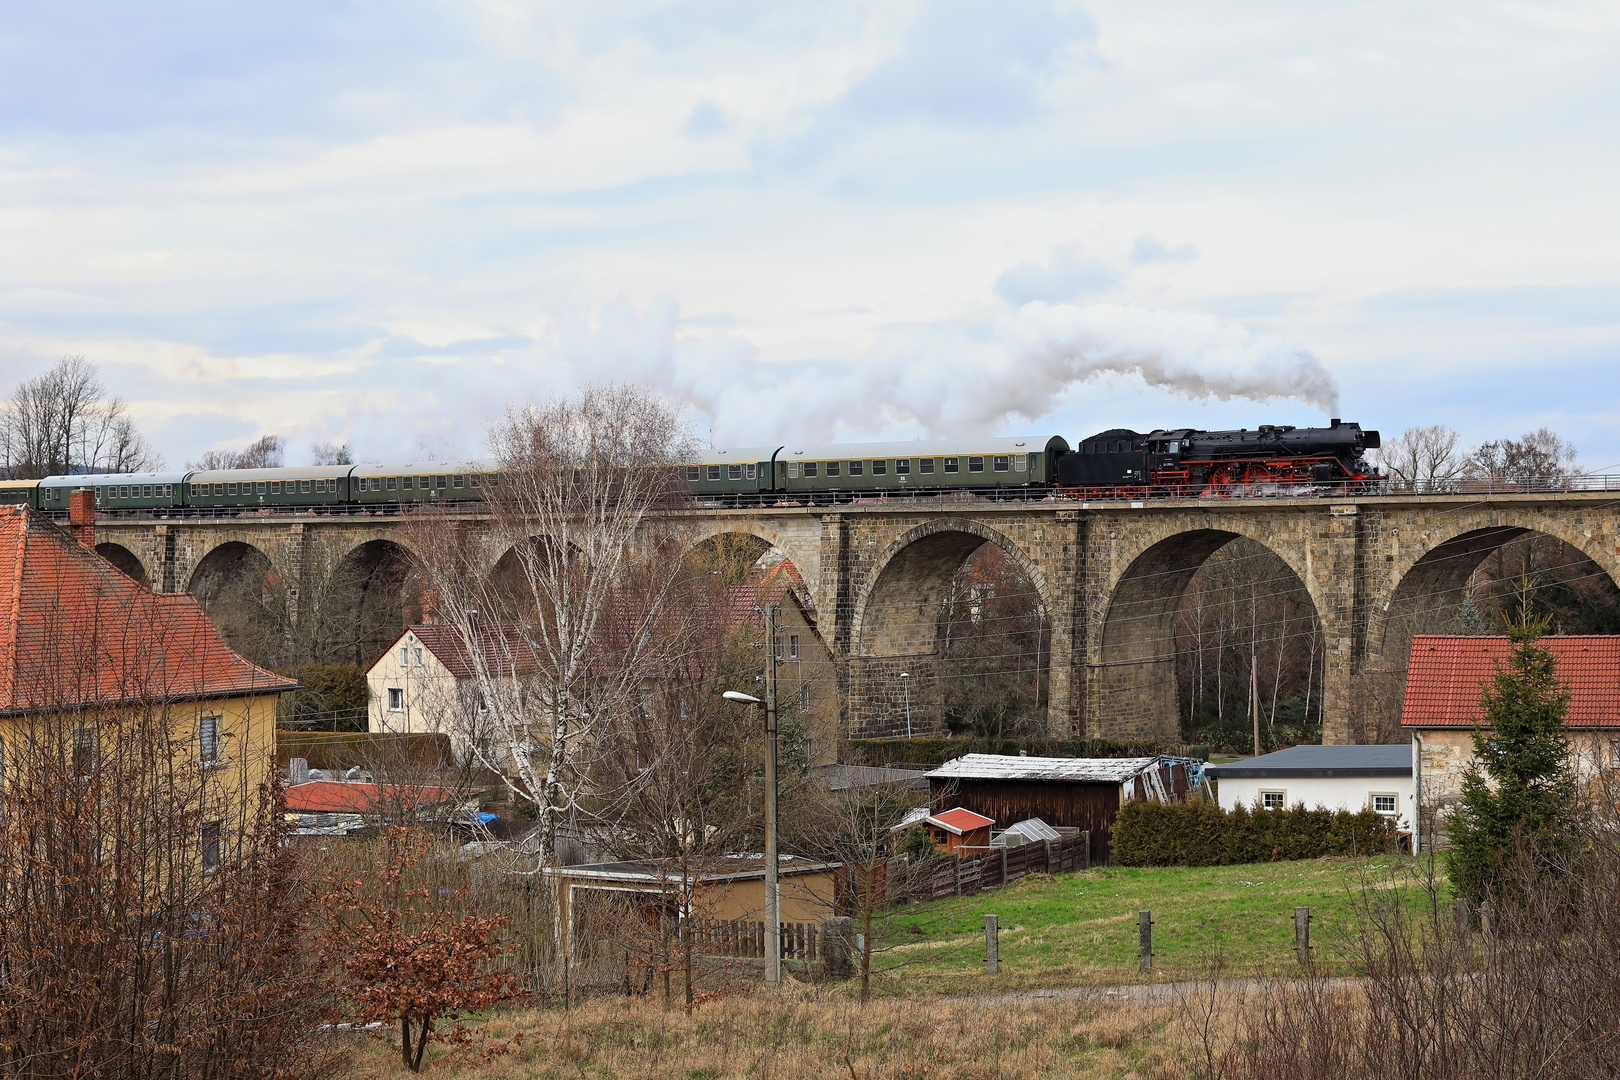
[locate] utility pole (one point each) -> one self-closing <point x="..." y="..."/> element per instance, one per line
<point x="1254" y="696"/>
<point x="905" y="688"/>
<point x="773" y="904"/>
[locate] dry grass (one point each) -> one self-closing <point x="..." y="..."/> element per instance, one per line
<point x="807" y="1033"/>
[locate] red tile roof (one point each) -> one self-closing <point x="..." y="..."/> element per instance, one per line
<point x="502" y="646"/>
<point x="1447" y="675"/>
<point x="960" y="820"/>
<point x="74" y="631"/>
<point x="336" y="797"/>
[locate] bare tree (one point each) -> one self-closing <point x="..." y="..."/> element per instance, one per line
<point x="1422" y="459"/>
<point x="62" y="421"/>
<point x="1537" y="456"/>
<point x="265" y="452"/>
<point x="332" y="454"/>
<point x="571" y="518"/>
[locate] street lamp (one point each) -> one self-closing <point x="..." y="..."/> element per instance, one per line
<point x="905" y="688"/>
<point x="773" y="897"/>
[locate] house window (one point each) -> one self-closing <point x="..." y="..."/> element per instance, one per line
<point x="208" y="741"/>
<point x="211" y="834"/>
<point x="418" y="657"/>
<point x="84" y="752"/>
<point x="925" y="465"/>
<point x="804" y="697"/>
<point x="855" y="467"/>
<point x="1272" y="800"/>
<point x="404" y="656"/>
<point x="950" y="464"/>
<point x="1384" y="804"/>
<point x="1614" y="755"/>
<point x="879" y="468"/>
<point x="396" y="699"/>
<point x="793" y="646"/>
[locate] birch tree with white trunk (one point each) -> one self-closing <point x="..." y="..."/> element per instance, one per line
<point x="555" y="586"/>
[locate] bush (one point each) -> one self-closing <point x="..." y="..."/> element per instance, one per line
<point x="1199" y="833"/>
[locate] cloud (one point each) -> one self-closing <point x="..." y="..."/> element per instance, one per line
<point x="705" y="119"/>
<point x="1068" y="276"/>
<point x="1150" y="249"/>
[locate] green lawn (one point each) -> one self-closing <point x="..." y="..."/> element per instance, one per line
<point x="1082" y="927"/>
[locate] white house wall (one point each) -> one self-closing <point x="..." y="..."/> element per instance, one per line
<point x="1333" y="792"/>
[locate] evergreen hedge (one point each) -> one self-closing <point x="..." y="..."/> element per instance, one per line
<point x="1200" y="833"/>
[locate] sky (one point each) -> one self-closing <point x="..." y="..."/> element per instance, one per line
<point x="383" y="223"/>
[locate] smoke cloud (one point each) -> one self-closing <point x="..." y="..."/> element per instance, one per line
<point x="964" y="381"/>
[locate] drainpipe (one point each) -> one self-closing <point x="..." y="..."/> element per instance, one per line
<point x="1417" y="792"/>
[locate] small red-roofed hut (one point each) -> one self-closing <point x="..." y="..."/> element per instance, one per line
<point x="959" y="828"/>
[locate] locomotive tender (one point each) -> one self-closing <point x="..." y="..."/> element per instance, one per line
<point x="1118" y="463"/>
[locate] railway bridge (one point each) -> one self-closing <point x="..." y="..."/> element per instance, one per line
<point x="1109" y="577"/>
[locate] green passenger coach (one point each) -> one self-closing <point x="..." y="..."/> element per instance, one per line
<point x="944" y="465"/>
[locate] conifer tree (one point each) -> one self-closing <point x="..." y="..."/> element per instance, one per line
<point x="1518" y="795"/>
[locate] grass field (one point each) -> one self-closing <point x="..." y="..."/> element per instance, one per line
<point x="1082" y="928"/>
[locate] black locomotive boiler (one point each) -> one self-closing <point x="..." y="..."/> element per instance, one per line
<point x="1273" y="459"/>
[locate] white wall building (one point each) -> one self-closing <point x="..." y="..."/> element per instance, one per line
<point x="1345" y="777"/>
<point x="424" y="682"/>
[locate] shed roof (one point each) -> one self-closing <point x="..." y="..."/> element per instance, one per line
<point x="1341" y="760"/>
<point x="333" y="796"/>
<point x="960" y="821"/>
<point x="1070" y="770"/>
<point x="1447" y="675"/>
<point x="74" y="631"/>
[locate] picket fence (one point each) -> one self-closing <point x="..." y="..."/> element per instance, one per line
<point x="744" y="938"/>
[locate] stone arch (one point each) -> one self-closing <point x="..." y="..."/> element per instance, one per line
<point x="1133" y="679"/>
<point x="744" y="533"/>
<point x="1426" y="583"/>
<point x="375" y="586"/>
<point x="894" y="628"/>
<point x="245" y="597"/>
<point x="124" y="560"/>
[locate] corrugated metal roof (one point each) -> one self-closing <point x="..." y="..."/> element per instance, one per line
<point x="1005" y="767"/>
<point x="1447" y="675"/>
<point x="1341" y="760"/>
<point x="960" y="820"/>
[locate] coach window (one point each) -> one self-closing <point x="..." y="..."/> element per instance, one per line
<point x="1003" y="463"/>
<point x="455" y="481"/>
<point x="692" y="472"/>
<point x="438" y="481"/>
<point x="713" y="472"/>
<point x="902" y="465"/>
<point x="275" y="487"/>
<point x="975" y="464"/>
<point x="473" y="480"/>
<point x="146" y="491"/>
<point x="393" y="482"/>
<point x="809" y="468"/>
<point x="832" y="468"/>
<point x="123" y="492"/>
<point x="733" y="472"/>
<point x="855" y="467"/>
<point x="98" y="492"/>
<point x="303" y="487"/>
<point x="405" y="483"/>
<point x="879" y="467"/>
<point x="753" y="471"/>
<point x="793" y="470"/>
<point x="925" y="465"/>
<point x="950" y="464"/>
<point x="230" y="489"/>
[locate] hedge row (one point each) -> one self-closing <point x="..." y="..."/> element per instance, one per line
<point x="938" y="751"/>
<point x="1199" y="833"/>
<point x="345" y="749"/>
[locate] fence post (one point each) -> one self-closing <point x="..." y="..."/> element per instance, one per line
<point x="958" y="864"/>
<point x="1004" y="865"/>
<point x="992" y="952"/>
<point x="1487" y="921"/>
<point x="1086" y="836"/>
<point x="1465" y="926"/>
<point x="1302" y="934"/>
<point x="1047" y="846"/>
<point x="1144" y="932"/>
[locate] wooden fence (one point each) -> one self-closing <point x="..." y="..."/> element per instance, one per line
<point x="713" y="937"/>
<point x="968" y="874"/>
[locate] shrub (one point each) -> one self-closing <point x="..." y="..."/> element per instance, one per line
<point x="1199" y="833"/>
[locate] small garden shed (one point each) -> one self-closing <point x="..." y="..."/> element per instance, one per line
<point x="1078" y="793"/>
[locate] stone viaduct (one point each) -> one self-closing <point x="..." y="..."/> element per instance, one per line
<point x="1109" y="576"/>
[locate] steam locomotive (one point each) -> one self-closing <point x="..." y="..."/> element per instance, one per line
<point x="1273" y="459"/>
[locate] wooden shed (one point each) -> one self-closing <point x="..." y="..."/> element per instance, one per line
<point x="959" y="828"/>
<point x="1076" y="793"/>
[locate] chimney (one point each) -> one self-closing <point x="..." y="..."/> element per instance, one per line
<point x="82" y="517"/>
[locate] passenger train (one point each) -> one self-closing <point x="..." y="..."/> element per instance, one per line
<point x="1118" y="463"/>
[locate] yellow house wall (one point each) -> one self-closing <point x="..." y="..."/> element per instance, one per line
<point x="811" y="670"/>
<point x="805" y="898"/>
<point x="1448" y="752"/>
